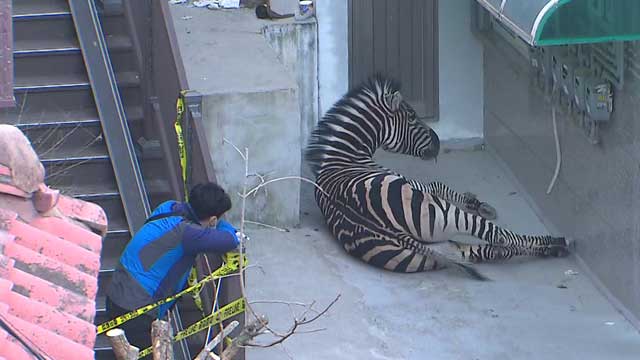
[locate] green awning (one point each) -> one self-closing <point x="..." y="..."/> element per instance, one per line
<point x="564" y="22"/>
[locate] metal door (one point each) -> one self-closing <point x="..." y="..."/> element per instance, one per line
<point x="398" y="38"/>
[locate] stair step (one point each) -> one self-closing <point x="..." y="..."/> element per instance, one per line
<point x="101" y="310"/>
<point x="117" y="229"/>
<point x="107" y="195"/>
<point x="110" y="261"/>
<point x="29" y="9"/>
<point x="42" y="64"/>
<point x="64" y="137"/>
<point x="60" y="82"/>
<point x="101" y="305"/>
<point x="33" y="9"/>
<point x="52" y="82"/>
<point x="57" y="29"/>
<point x="52" y="118"/>
<point x="112" y="248"/>
<point x="94" y="150"/>
<point x="70" y="106"/>
<point x="100" y="190"/>
<point x="39" y="47"/>
<point x="102" y="348"/>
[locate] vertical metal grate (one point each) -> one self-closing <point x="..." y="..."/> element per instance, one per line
<point x="607" y="60"/>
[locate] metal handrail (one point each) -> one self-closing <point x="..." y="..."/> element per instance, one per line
<point x="112" y="116"/>
<point x="163" y="79"/>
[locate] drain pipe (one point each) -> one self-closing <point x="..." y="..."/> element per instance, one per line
<point x="558" y="154"/>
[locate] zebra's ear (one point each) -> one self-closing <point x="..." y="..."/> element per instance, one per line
<point x="394" y="100"/>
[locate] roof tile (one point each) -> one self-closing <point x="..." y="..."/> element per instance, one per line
<point x="49" y="263"/>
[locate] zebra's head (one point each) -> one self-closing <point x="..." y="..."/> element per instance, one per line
<point x="405" y="132"/>
<point x="368" y="117"/>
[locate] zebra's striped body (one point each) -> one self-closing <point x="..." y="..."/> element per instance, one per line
<point x="390" y="221"/>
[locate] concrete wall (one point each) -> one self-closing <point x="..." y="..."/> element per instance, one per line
<point x="296" y="46"/>
<point x="333" y="48"/>
<point x="596" y="199"/>
<point x="461" y="97"/>
<point x="250" y="98"/>
<point x="461" y="87"/>
<point x="267" y="123"/>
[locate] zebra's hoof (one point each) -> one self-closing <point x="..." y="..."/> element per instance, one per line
<point x="559" y="247"/>
<point x="473" y="205"/>
<point x="487" y="211"/>
<point x="558" y="251"/>
<point x="570" y="244"/>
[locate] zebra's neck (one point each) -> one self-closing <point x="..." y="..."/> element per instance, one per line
<point x="351" y="132"/>
<point x="351" y="141"/>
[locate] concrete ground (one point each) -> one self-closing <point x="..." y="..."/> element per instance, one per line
<point x="530" y="310"/>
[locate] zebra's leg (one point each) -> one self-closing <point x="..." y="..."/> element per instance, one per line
<point x="458" y="221"/>
<point x="494" y="253"/>
<point x="402" y="253"/>
<point x="468" y="201"/>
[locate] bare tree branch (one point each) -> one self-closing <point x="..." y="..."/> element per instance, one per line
<point x="251" y="330"/>
<point x="267" y="226"/>
<point x="278" y="302"/>
<point x="297" y="323"/>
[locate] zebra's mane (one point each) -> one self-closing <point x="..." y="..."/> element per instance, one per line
<point x="319" y="142"/>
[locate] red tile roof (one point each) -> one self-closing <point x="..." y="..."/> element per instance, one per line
<point x="49" y="262"/>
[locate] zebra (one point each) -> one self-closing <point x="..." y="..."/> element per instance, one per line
<point x="387" y="220"/>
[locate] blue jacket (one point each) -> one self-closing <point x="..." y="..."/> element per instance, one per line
<point x="156" y="262"/>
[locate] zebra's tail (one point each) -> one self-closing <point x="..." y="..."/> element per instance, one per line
<point x="445" y="257"/>
<point x="470" y="270"/>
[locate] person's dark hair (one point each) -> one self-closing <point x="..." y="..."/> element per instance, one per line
<point x="208" y="200"/>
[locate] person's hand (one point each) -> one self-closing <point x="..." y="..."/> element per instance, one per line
<point x="242" y="237"/>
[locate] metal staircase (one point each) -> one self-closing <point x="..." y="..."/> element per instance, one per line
<point x="57" y="111"/>
<point x="91" y="142"/>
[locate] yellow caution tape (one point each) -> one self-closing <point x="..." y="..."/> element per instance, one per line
<point x="182" y="153"/>
<point x="191" y="281"/>
<point x="182" y="149"/>
<point x="228" y="311"/>
<point x="231" y="265"/>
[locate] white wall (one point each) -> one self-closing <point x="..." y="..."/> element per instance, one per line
<point x="333" y="51"/>
<point x="461" y="89"/>
<point x="461" y="74"/>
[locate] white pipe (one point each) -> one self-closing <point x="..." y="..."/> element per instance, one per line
<point x="547" y="7"/>
<point x="558" y="154"/>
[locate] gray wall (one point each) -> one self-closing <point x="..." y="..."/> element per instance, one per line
<point x="251" y="98"/>
<point x="266" y="122"/>
<point x="296" y="46"/>
<point x="596" y="199"/>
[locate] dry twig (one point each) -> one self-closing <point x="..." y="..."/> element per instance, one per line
<point x="296" y="324"/>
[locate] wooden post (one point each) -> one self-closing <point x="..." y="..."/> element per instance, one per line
<point x="121" y="347"/>
<point x="253" y="329"/>
<point x="162" y="340"/>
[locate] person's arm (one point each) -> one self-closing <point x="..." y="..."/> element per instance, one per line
<point x="197" y="239"/>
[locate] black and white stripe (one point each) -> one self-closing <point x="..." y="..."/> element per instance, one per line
<point x="385" y="219"/>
